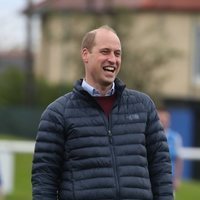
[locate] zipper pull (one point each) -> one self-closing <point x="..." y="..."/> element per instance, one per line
<point x="110" y="136"/>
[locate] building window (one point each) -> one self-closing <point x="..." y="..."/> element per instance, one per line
<point x="196" y="56"/>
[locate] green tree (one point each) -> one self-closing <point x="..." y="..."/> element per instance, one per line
<point x="145" y="53"/>
<point x="11" y="87"/>
<point x="13" y="90"/>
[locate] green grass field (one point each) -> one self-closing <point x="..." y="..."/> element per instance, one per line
<point x="22" y="171"/>
<point x="189" y="190"/>
<point x="22" y="180"/>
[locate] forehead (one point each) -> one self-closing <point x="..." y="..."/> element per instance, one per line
<point x="107" y="39"/>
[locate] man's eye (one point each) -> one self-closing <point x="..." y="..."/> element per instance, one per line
<point x="104" y="52"/>
<point x="118" y="54"/>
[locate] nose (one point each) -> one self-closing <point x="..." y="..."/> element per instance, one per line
<point x="112" y="58"/>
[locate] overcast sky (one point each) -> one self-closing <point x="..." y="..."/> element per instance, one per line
<point x="13" y="24"/>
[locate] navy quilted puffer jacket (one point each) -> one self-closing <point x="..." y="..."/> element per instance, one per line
<point x="80" y="154"/>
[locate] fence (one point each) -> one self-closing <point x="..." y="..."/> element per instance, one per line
<point x="9" y="148"/>
<point x="7" y="152"/>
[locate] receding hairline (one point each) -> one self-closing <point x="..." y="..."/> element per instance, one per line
<point x="106" y="27"/>
<point x="89" y="37"/>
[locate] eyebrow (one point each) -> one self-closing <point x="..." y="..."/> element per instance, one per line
<point x="108" y="49"/>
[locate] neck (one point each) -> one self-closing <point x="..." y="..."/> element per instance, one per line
<point x="101" y="89"/>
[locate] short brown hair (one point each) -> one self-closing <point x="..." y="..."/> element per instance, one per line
<point x="88" y="39"/>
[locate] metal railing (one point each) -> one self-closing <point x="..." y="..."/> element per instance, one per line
<point x="8" y="149"/>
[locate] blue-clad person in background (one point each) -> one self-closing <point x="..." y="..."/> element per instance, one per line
<point x="1" y="186"/>
<point x="174" y="140"/>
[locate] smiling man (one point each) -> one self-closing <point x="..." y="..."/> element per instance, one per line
<point x="101" y="54"/>
<point x="101" y="141"/>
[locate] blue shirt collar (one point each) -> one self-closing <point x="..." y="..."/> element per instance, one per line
<point x="93" y="92"/>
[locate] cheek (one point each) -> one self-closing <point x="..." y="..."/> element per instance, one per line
<point x="97" y="60"/>
<point x="119" y="63"/>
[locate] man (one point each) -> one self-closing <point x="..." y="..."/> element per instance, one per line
<point x="101" y="141"/>
<point x="175" y="143"/>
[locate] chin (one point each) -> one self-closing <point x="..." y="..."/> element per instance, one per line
<point x="108" y="80"/>
<point x="107" y="83"/>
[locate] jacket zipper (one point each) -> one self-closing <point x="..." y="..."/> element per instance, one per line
<point x="110" y="137"/>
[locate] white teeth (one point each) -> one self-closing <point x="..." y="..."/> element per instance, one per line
<point x="109" y="68"/>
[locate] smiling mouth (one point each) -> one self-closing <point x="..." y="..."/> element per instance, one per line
<point x="109" y="69"/>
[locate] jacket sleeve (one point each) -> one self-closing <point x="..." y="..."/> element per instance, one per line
<point x="158" y="157"/>
<point x="48" y="154"/>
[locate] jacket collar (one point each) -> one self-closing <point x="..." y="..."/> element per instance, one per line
<point x="94" y="92"/>
<point x="119" y="86"/>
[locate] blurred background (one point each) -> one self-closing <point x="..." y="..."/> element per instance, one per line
<point x="40" y="60"/>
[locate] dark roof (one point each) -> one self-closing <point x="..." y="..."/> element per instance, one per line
<point x="103" y="5"/>
<point x="14" y="58"/>
<point x="179" y="5"/>
<point x="83" y="5"/>
<point x="13" y="54"/>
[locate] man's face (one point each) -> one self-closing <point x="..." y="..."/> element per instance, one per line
<point x="164" y="118"/>
<point x="103" y="63"/>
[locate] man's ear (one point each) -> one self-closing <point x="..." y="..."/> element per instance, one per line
<point x="84" y="55"/>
